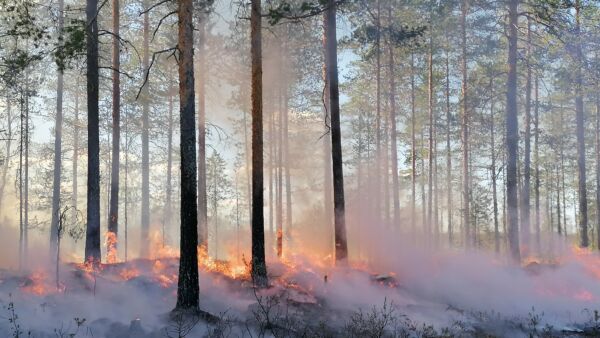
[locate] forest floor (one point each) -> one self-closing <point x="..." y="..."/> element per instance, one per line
<point x="445" y="295"/>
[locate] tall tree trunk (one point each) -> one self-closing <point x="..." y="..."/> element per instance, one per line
<point x="57" y="147"/>
<point x="26" y="193"/>
<point x="8" y="149"/>
<point x="126" y="188"/>
<point x="270" y="203"/>
<point x="579" y="117"/>
<point x="536" y="154"/>
<point x="525" y="193"/>
<point x="378" y="153"/>
<point x="202" y="76"/>
<point x="413" y="152"/>
<point x="145" y="226"/>
<point x="448" y="149"/>
<point x="113" y="225"/>
<point x="279" y="213"/>
<point x="493" y="168"/>
<point x="92" y="242"/>
<point x="75" y="160"/>
<point x="21" y="148"/>
<point x="393" y="133"/>
<point x="465" y="128"/>
<point x="287" y="160"/>
<point x="422" y="184"/>
<point x="341" y="246"/>
<point x="559" y="228"/>
<point x="272" y="179"/>
<point x="327" y="166"/>
<point x="187" y="287"/>
<point x="259" y="266"/>
<point x="562" y="168"/>
<point x="597" y="170"/>
<point x="512" y="133"/>
<point x="429" y="222"/>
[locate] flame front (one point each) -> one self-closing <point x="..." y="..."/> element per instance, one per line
<point x="111" y="247"/>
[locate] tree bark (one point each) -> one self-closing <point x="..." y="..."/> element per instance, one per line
<point x="187" y="287"/>
<point x="429" y="221"/>
<point x="525" y="193"/>
<point x="493" y="168"/>
<point x="448" y="150"/>
<point x="258" y="266"/>
<point x="113" y="225"/>
<point x="9" y="136"/>
<point x="327" y="167"/>
<point x="579" y="117"/>
<point x="92" y="243"/>
<point x="341" y="246"/>
<point x="512" y="133"/>
<point x="279" y="213"/>
<point x="57" y="147"/>
<point x="536" y="154"/>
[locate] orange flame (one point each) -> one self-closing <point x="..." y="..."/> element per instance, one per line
<point x="111" y="245"/>
<point x="36" y="284"/>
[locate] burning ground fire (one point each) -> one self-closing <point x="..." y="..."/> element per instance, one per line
<point x="162" y="269"/>
<point x="310" y="280"/>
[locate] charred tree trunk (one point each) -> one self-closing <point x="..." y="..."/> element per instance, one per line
<point x="512" y="133"/>
<point x="57" y="147"/>
<point x="579" y="117"/>
<point x="188" y="292"/>
<point x="327" y="168"/>
<point x="341" y="246"/>
<point x="113" y="224"/>
<point x="92" y="242"/>
<point x="259" y="266"/>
